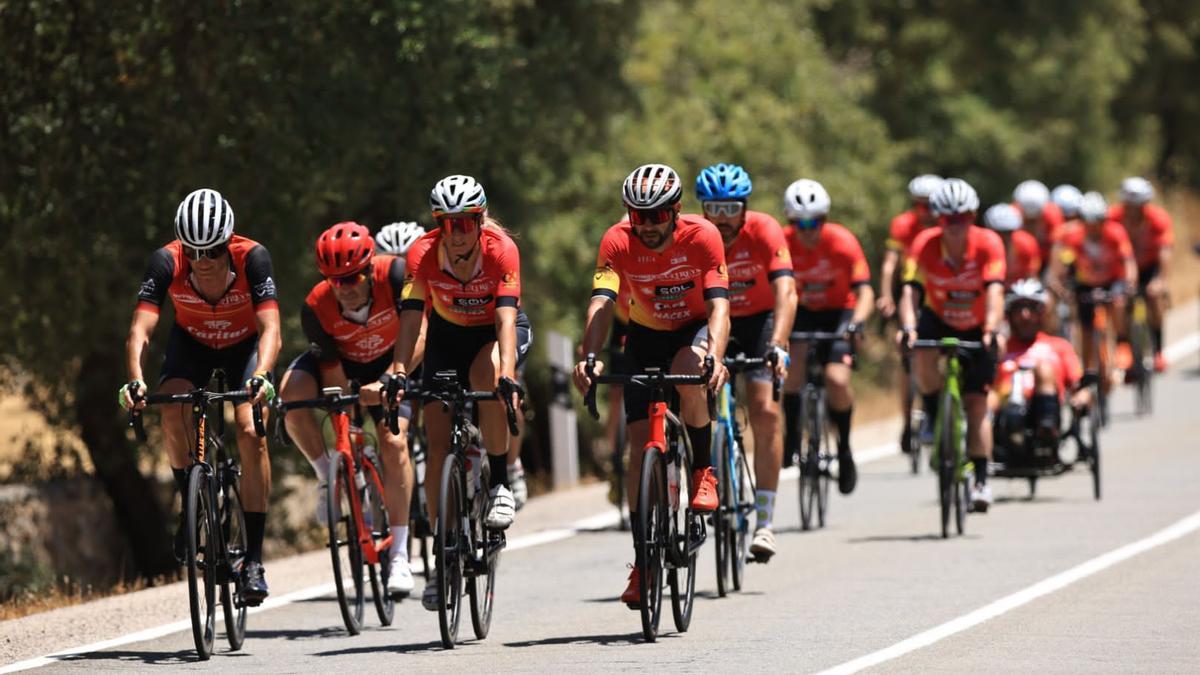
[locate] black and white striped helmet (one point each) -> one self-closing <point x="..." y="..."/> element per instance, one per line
<point x="923" y="186"/>
<point x="395" y="239"/>
<point x="204" y="220"/>
<point x="953" y="197"/>
<point x="457" y="194"/>
<point x="651" y="186"/>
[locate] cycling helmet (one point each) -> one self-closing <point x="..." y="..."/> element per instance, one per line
<point x="1067" y="198"/>
<point x="1136" y="191"/>
<point x="395" y="239"/>
<point x="1026" y="290"/>
<point x="1093" y="208"/>
<point x="805" y="199"/>
<point x="204" y="220"/>
<point x="457" y="194"/>
<point x="923" y="186"/>
<point x="344" y="249"/>
<point x="953" y="197"/>
<point x="1003" y="218"/>
<point x="1031" y="196"/>
<point x="723" y="181"/>
<point x="650" y="186"/>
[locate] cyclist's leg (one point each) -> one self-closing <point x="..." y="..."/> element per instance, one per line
<point x="493" y="418"/>
<point x="241" y="360"/>
<point x="979" y="369"/>
<point x="925" y="366"/>
<point x="805" y="321"/>
<point x="186" y="365"/>
<point x="301" y="382"/>
<point x="693" y="409"/>
<point x="1155" y="295"/>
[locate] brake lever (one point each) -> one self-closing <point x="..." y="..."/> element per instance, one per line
<point x="589" y="397"/>
<point x="260" y="429"/>
<point x="135" y="418"/>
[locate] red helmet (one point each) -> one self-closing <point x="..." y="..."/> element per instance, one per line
<point x="344" y="249"/>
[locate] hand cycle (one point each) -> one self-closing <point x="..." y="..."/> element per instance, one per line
<point x="816" y="457"/>
<point x="735" y="482"/>
<point x="465" y="550"/>
<point x="356" y="514"/>
<point x="950" y="427"/>
<point x="667" y="537"/>
<point x="213" y="517"/>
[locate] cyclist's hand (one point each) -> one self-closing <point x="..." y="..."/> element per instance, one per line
<point x="265" y="391"/>
<point x="905" y="338"/>
<point x="719" y="377"/>
<point x="1155" y="286"/>
<point x="392" y="387"/>
<point x="886" y="306"/>
<point x="510" y="392"/>
<point x="783" y="359"/>
<point x="127" y="391"/>
<point x="371" y="394"/>
<point x="582" y="381"/>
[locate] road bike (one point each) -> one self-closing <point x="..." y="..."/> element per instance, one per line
<point x="1101" y="370"/>
<point x="1141" y="374"/>
<point x="420" y="530"/>
<point x="214" y="521"/>
<point x="667" y="533"/>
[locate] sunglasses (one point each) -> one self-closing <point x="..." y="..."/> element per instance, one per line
<point x="807" y="223"/>
<point x="731" y="209"/>
<point x="347" y="281"/>
<point x="958" y="219"/>
<point x="462" y="223"/>
<point x="214" y="253"/>
<point x="658" y="216"/>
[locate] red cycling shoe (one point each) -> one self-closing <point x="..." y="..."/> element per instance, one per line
<point x="704" y="494"/>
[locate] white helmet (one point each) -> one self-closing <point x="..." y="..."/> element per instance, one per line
<point x="1031" y="196"/>
<point x="1093" y="208"/>
<point x="805" y="199"/>
<point x="953" y="197"/>
<point x="1136" y="191"/>
<point x="1067" y="197"/>
<point x="1026" y="290"/>
<point x="395" y="239"/>
<point x="650" y="186"/>
<point x="204" y="219"/>
<point x="923" y="186"/>
<point x="457" y="194"/>
<point x="1003" y="218"/>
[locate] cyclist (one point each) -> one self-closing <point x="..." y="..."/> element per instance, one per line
<point x="615" y="351"/>
<point x="1150" y="230"/>
<point x="1067" y="197"/>
<point x="469" y="270"/>
<point x="226" y="317"/>
<point x="351" y="320"/>
<point x="674" y="265"/>
<point x="956" y="277"/>
<point x="396" y="238"/>
<point x="904" y="228"/>
<point x="762" y="307"/>
<point x="1042" y="217"/>
<point x="1096" y="254"/>
<point x="1023" y="257"/>
<point x="833" y="282"/>
<point x="1056" y="369"/>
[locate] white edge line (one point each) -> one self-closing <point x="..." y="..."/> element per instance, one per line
<point x="1022" y="597"/>
<point x="1175" y="352"/>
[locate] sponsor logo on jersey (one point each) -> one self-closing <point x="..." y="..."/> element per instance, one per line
<point x="677" y="273"/>
<point x="147" y="288"/>
<point x="664" y="306"/>
<point x="265" y="289"/>
<point x="370" y="342"/>
<point x="218" y="335"/>
<point x="217" y="324"/>
<point x="472" y="302"/>
<point x="674" y="290"/>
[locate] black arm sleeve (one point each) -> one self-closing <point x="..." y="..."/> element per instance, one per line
<point x="258" y="274"/>
<point x="396" y="278"/>
<point x="321" y="343"/>
<point x="159" y="272"/>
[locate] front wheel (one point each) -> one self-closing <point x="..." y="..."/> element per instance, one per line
<point x="449" y="539"/>
<point x="202" y="561"/>
<point x="345" y="550"/>
<point x="233" y="530"/>
<point x="744" y="501"/>
<point x="380" y="525"/>
<point x="722" y="518"/>
<point x="687" y="533"/>
<point x="654" y="523"/>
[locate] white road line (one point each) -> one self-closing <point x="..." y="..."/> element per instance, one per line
<point x="1022" y="597"/>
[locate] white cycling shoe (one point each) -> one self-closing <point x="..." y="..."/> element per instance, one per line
<point x="400" y="579"/>
<point x="501" y="510"/>
<point x="520" y="489"/>
<point x="763" y="546"/>
<point x="981" y="497"/>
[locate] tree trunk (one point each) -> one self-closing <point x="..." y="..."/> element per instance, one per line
<point x="102" y="425"/>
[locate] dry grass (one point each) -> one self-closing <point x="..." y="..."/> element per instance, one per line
<point x="64" y="594"/>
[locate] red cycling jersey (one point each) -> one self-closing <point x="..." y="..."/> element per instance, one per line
<point x="1099" y="261"/>
<point x="1044" y="348"/>
<point x="1046" y="228"/>
<point x="757" y="257"/>
<point x="827" y="274"/>
<point x="338" y="336"/>
<point x="904" y="230"/>
<point x="1024" y="260"/>
<point x="956" y="293"/>
<point x="495" y="283"/>
<point x="1149" y="238"/>
<point x="229" y="320"/>
<point x="668" y="289"/>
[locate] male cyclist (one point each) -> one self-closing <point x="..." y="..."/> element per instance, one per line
<point x="1023" y="257"/>
<point x="834" y="285"/>
<point x="956" y="278"/>
<point x="1150" y="230"/>
<point x="226" y="317"/>
<point x="1042" y="216"/>
<point x="674" y="265"/>
<point x="762" y="306"/>
<point x="904" y="229"/>
<point x="351" y="319"/>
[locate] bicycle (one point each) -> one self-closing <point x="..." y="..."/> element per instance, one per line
<point x="1102" y="301"/>
<point x="466" y="551"/>
<point x="1142" y="371"/>
<point x="949" y="450"/>
<point x="667" y="537"/>
<point x="816" y="458"/>
<point x="420" y="530"/>
<point x="356" y="515"/>
<point x="214" y="520"/>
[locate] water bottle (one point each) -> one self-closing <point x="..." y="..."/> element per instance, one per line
<point x="475" y="459"/>
<point x="673" y="483"/>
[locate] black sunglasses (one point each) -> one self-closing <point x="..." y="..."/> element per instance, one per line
<point x="214" y="253"/>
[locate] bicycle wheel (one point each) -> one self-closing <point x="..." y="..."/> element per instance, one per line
<point x="962" y="498"/>
<point x="481" y="586"/>
<point x="202" y="560"/>
<point x="726" y="509"/>
<point x="345" y="551"/>
<point x="916" y="421"/>
<point x="744" y="498"/>
<point x="233" y="532"/>
<point x="654" y="522"/>
<point x="687" y="533"/>
<point x="1093" y="458"/>
<point x="809" y="466"/>
<point x="946" y="466"/>
<point x="379" y="573"/>
<point x="824" y="457"/>
<point x="448" y="542"/>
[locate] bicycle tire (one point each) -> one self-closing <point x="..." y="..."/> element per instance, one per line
<point x="448" y="541"/>
<point x="962" y="499"/>
<point x="686" y="530"/>
<point x="419" y="528"/>
<point x="808" y="469"/>
<point x="1094" y="460"/>
<point x="721" y="518"/>
<point x="379" y="573"/>
<point x="823" y="459"/>
<point x="653" y="516"/>
<point x="946" y="465"/>
<point x="744" y="494"/>
<point x="916" y="421"/>
<point x="480" y="540"/>
<point x="233" y="533"/>
<point x="343" y="541"/>
<point x="201" y="564"/>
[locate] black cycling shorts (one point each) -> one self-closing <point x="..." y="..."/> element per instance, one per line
<point x="363" y="373"/>
<point x="614" y="353"/>
<point x="195" y="362"/>
<point x="1145" y="274"/>
<point x="449" y="346"/>
<point x="1083" y="300"/>
<point x="825" y="321"/>
<point x="750" y="335"/>
<point x="648" y="348"/>
<point x="978" y="366"/>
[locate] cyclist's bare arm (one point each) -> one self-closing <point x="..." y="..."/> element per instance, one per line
<point x="140" y="330"/>
<point x="908" y="308"/>
<point x="404" y="353"/>
<point x="1058" y="272"/>
<point x="595" y="332"/>
<point x="419" y="349"/>
<point x="506" y="339"/>
<point x="1164" y="261"/>
<point x="785" y="309"/>
<point x="864" y="302"/>
<point x="887" y="275"/>
<point x="1131" y="274"/>
<point x="718" y="338"/>
<point x="269" y="339"/>
<point x="994" y="312"/>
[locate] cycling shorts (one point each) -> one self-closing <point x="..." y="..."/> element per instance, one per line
<point x="188" y="359"/>
<point x="363" y="373"/>
<point x="1145" y="274"/>
<point x="750" y="335"/>
<point x="649" y="348"/>
<point x="614" y="353"/>
<point x="1083" y="302"/>
<point x="450" y="346"/>
<point x="825" y="321"/>
<point x="978" y="366"/>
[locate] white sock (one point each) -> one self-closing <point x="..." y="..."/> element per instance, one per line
<point x="400" y="542"/>
<point x="321" y="466"/>
<point x="514" y="465"/>
<point x="764" y="501"/>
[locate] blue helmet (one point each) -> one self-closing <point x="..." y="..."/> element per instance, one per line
<point x="723" y="181"/>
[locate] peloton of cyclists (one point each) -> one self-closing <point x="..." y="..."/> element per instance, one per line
<point x="1151" y="233"/>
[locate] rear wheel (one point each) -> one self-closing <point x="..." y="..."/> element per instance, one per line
<point x="687" y="532"/>
<point x="654" y="523"/>
<point x="824" y="456"/>
<point x="233" y="529"/>
<point x="744" y="499"/>
<point x="385" y="605"/>
<point x="723" y="517"/>
<point x="449" y="538"/>
<point x="947" y="480"/>
<point x="809" y="465"/>
<point x="962" y="499"/>
<point x="481" y="584"/>
<point x="914" y="440"/>
<point x="345" y="551"/>
<point x="202" y="561"/>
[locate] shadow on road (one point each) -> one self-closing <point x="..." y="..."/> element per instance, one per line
<point x="884" y="538"/>
<point x="176" y="658"/>
<point x="602" y="640"/>
<point x="429" y="647"/>
<point x="296" y="634"/>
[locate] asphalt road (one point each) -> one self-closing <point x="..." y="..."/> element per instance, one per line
<point x="878" y="575"/>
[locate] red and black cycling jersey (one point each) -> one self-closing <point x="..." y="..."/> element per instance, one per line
<point x="229" y="320"/>
<point x="495" y="283"/>
<point x="335" y="336"/>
